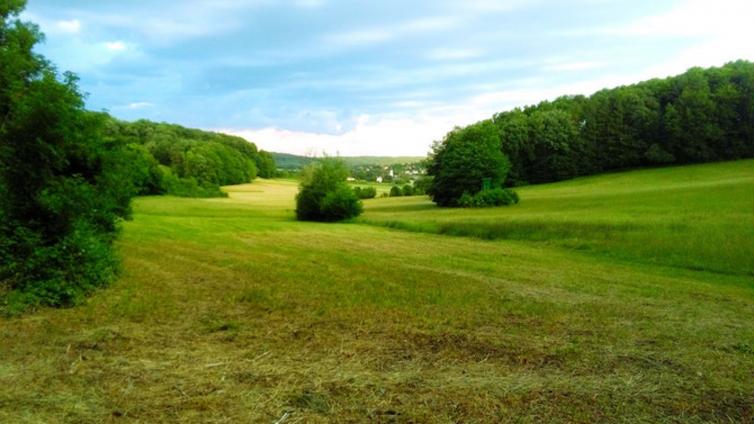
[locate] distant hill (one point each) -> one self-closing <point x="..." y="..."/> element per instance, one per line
<point x="289" y="161"/>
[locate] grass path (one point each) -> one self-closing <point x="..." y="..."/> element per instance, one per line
<point x="230" y="311"/>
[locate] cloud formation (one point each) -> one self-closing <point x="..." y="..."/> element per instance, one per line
<point x="371" y="77"/>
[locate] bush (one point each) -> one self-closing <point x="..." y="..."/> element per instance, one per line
<point x="340" y="204"/>
<point x="396" y="191"/>
<point x="65" y="186"/>
<point x="422" y="185"/>
<point x="407" y="190"/>
<point x="188" y="187"/>
<point x="365" y="192"/>
<point x="324" y="194"/>
<point x="488" y="198"/>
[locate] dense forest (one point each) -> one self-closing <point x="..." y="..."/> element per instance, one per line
<point x="702" y="115"/>
<point x="189" y="162"/>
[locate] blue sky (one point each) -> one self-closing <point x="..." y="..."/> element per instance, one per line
<point x="371" y="77"/>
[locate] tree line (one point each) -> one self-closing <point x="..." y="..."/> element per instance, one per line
<point x="172" y="159"/>
<point x="63" y="186"/>
<point x="702" y="115"/>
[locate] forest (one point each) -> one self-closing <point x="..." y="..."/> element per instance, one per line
<point x="188" y="162"/>
<point x="703" y="115"/>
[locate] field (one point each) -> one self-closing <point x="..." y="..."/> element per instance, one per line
<point x="619" y="298"/>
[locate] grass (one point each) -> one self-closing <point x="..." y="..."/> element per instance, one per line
<point x="695" y="217"/>
<point x="228" y="310"/>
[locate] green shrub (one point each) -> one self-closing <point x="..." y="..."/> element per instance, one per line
<point x="407" y="190"/>
<point x="488" y="198"/>
<point x="340" y="204"/>
<point x="421" y="185"/>
<point x="365" y="192"/>
<point x="395" y="191"/>
<point x="189" y="187"/>
<point x="324" y="194"/>
<point x="65" y="186"/>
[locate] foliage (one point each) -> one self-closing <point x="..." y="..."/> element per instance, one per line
<point x="64" y="185"/>
<point x="407" y="190"/>
<point x="701" y="116"/>
<point x="368" y="192"/>
<point x="422" y="185"/>
<point x="324" y="194"/>
<point x="188" y="187"/>
<point x="396" y="191"/>
<point x="339" y="204"/>
<point x="489" y="197"/>
<point x="199" y="161"/>
<point x="266" y="167"/>
<point x="464" y="161"/>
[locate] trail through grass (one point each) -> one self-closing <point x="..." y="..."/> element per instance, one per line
<point x="228" y="310"/>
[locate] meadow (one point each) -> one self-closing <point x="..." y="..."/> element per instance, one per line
<point x="623" y="298"/>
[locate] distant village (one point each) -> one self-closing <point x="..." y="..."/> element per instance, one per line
<point x="396" y="173"/>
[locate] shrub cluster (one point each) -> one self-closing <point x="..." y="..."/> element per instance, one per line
<point x="324" y="194"/>
<point x="368" y="192"/>
<point x="406" y="190"/>
<point x="64" y="186"/>
<point x="488" y="197"/>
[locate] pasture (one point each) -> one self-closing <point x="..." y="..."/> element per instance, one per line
<point x="624" y="298"/>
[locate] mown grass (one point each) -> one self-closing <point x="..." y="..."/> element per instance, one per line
<point x="228" y="310"/>
<point x="695" y="217"/>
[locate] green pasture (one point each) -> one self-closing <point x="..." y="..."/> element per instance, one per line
<point x="618" y="298"/>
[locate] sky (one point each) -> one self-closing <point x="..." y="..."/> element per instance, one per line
<point x="387" y="77"/>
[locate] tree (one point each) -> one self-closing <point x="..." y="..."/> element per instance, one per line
<point x="368" y="192"/>
<point x="466" y="161"/>
<point x="65" y="186"/>
<point x="396" y="191"/>
<point x="210" y="159"/>
<point x="324" y="194"/>
<point x="266" y="167"/>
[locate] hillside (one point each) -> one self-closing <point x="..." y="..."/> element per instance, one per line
<point x="289" y="161"/>
<point x="618" y="298"/>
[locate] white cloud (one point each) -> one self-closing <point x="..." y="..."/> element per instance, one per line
<point x="453" y="54"/>
<point x="71" y="27"/>
<point x="116" y="45"/>
<point x="309" y="3"/>
<point x="360" y="37"/>
<point x="496" y="5"/>
<point x="377" y="35"/>
<point x="370" y="136"/>
<point x="716" y="32"/>
<point x="692" y="18"/>
<point x="139" y="105"/>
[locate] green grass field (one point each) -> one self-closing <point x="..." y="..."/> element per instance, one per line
<point x="618" y="298"/>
